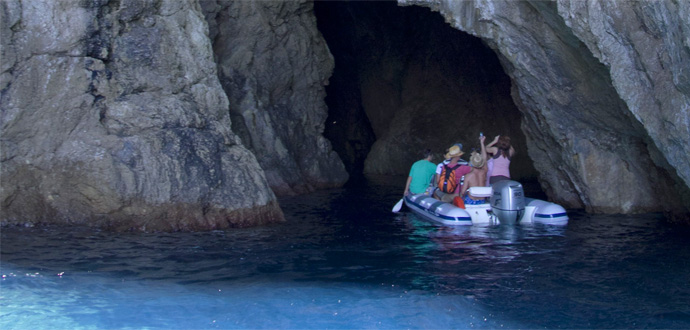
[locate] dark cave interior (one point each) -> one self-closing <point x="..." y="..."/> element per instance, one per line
<point x="404" y="76"/>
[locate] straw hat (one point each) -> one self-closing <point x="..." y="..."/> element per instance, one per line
<point x="454" y="151"/>
<point x="476" y="160"/>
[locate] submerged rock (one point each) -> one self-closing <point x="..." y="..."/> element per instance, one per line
<point x="113" y="116"/>
<point x="603" y="88"/>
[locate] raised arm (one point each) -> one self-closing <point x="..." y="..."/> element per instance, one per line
<point x="490" y="147"/>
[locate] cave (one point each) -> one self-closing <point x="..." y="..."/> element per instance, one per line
<point x="405" y="80"/>
<point x="198" y="115"/>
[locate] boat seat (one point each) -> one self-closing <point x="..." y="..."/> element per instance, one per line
<point x="480" y="191"/>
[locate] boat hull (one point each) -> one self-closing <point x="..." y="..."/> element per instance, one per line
<point x="438" y="211"/>
<point x="544" y="212"/>
<point x="536" y="211"/>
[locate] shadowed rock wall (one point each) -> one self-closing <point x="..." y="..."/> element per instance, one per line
<point x="112" y="115"/>
<point x="603" y="89"/>
<point x="273" y="64"/>
<point x="405" y="81"/>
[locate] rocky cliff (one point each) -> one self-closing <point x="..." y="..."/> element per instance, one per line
<point x="603" y="88"/>
<point x="113" y="116"/>
<point x="191" y="115"/>
<point x="273" y="64"/>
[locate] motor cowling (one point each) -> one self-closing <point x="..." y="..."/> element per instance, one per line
<point x="508" y="201"/>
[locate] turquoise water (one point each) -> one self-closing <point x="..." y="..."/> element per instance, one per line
<point x="344" y="261"/>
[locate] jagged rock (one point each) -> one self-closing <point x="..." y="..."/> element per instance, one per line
<point x="114" y="113"/>
<point x="646" y="48"/>
<point x="273" y="64"/>
<point x="113" y="116"/>
<point x="603" y="88"/>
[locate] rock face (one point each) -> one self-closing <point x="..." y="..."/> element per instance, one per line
<point x="113" y="115"/>
<point x="192" y="115"/>
<point x="604" y="89"/>
<point x="273" y="64"/>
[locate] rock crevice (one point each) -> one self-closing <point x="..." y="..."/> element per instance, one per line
<point x="274" y="64"/>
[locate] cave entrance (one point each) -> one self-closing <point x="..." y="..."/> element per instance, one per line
<point x="405" y="80"/>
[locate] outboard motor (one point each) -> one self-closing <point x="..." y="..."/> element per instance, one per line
<point x="508" y="201"/>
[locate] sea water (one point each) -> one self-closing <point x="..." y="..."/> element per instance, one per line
<point x="343" y="260"/>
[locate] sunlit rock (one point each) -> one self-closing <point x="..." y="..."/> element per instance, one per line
<point x="113" y="116"/>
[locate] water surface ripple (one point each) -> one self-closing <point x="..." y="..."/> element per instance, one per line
<point x="343" y="261"/>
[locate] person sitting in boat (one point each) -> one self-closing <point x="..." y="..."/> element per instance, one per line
<point x="503" y="152"/>
<point x="476" y="177"/>
<point x="421" y="173"/>
<point x="451" y="174"/>
<point x="439" y="167"/>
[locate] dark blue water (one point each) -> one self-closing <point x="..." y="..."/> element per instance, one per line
<point x="344" y="261"/>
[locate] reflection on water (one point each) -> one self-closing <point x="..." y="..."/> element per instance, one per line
<point x="343" y="260"/>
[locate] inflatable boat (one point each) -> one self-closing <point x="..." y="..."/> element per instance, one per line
<point x="506" y="204"/>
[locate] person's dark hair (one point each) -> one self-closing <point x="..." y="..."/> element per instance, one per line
<point x="426" y="153"/>
<point x="503" y="145"/>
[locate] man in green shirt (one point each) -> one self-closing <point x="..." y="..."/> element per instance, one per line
<point x="420" y="174"/>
